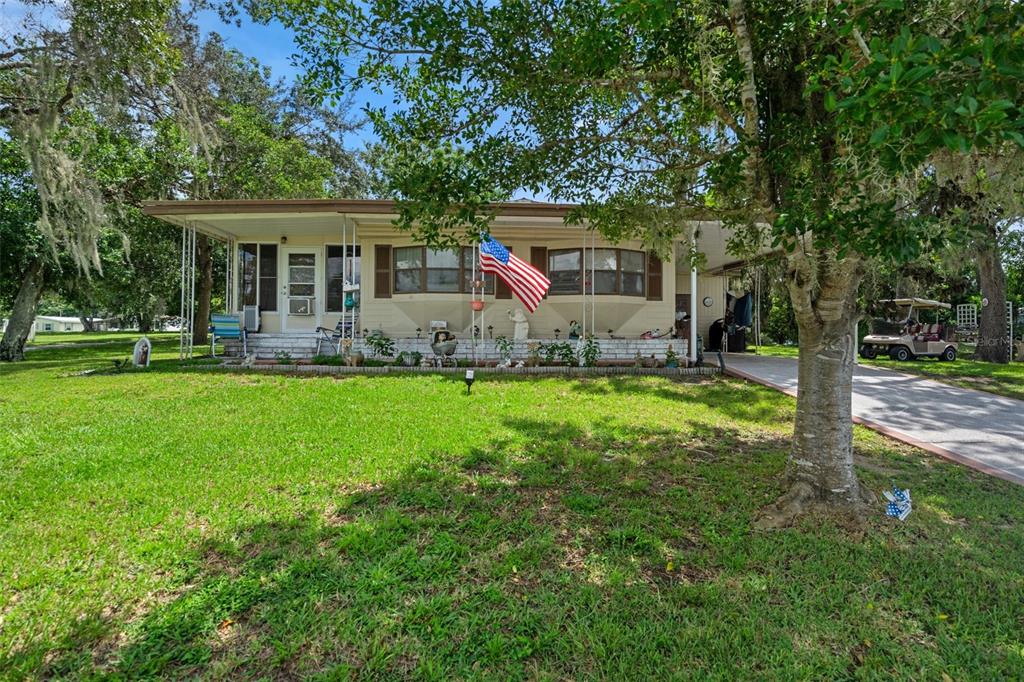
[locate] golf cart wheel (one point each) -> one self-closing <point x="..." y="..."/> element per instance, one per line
<point x="948" y="355"/>
<point x="868" y="352"/>
<point x="900" y="353"/>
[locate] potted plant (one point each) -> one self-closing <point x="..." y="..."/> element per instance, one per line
<point x="671" y="359"/>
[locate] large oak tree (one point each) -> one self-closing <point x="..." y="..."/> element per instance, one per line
<point x="654" y="114"/>
<point x="62" y="58"/>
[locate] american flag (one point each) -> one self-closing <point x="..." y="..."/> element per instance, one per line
<point x="527" y="282"/>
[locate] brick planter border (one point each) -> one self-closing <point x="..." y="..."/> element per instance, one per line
<point x="334" y="370"/>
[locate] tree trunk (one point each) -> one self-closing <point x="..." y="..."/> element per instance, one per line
<point x="993" y="333"/>
<point x="23" y="314"/>
<point x="820" y="469"/>
<point x="145" y="322"/>
<point x="87" y="324"/>
<point x="204" y="289"/>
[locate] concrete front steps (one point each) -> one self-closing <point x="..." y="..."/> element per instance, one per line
<point x="267" y="346"/>
<point x="303" y="347"/>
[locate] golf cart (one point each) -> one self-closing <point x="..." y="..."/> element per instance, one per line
<point x="904" y="336"/>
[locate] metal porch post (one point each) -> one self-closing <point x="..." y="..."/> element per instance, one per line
<point x="181" y="319"/>
<point x="692" y="345"/>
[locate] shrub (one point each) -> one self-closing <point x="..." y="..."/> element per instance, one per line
<point x="781" y="325"/>
<point x="559" y="351"/>
<point x="590" y="351"/>
<point x="283" y="357"/>
<point x="380" y="345"/>
<point x="328" y="360"/>
<point x="504" y="346"/>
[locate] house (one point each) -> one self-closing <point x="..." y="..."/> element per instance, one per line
<point x="307" y="263"/>
<point x="59" y="323"/>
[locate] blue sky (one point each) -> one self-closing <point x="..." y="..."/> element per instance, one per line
<point x="270" y="44"/>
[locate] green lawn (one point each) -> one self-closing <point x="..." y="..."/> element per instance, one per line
<point x="49" y="338"/>
<point x="180" y="523"/>
<point x="1006" y="380"/>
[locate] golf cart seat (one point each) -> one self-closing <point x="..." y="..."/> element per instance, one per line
<point x="929" y="332"/>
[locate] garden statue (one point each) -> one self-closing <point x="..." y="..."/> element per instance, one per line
<point x="350" y="358"/>
<point x="533" y="354"/>
<point x="575" y="330"/>
<point x="521" y="330"/>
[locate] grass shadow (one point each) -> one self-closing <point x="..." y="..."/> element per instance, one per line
<point x="602" y="550"/>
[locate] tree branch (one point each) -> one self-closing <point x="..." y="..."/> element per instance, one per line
<point x="751" y="114"/>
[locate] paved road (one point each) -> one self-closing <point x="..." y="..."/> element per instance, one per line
<point x="978" y="429"/>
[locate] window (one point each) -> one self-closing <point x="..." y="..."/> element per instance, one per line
<point x="615" y="271"/>
<point x="443" y="271"/>
<point x="301" y="274"/>
<point x="247" y="273"/>
<point x="418" y="269"/>
<point x="257" y="275"/>
<point x="605" y="266"/>
<point x="631" y="265"/>
<point x="47" y="326"/>
<point x="408" y="269"/>
<point x="564" y="272"/>
<point x="343" y="265"/>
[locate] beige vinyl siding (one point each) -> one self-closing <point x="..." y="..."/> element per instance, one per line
<point x="707" y="285"/>
<point x="401" y="314"/>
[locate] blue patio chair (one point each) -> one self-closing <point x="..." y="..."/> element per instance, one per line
<point x="226" y="327"/>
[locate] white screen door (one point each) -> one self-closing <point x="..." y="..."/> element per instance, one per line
<point x="300" y="306"/>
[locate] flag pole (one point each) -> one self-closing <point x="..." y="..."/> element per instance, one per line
<point x="483" y="286"/>
<point x="583" y="264"/>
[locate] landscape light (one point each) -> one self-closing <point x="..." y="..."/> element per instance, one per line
<point x="469" y="381"/>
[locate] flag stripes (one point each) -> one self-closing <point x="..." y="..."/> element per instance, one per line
<point x="527" y="283"/>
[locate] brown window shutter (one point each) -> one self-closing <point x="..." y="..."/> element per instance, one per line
<point x="502" y="290"/>
<point x="382" y="271"/>
<point x="539" y="260"/>
<point x="653" y="277"/>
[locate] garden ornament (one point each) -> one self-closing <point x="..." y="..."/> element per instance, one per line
<point x="898" y="503"/>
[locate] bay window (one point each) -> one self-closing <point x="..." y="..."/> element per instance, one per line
<point x="620" y="272"/>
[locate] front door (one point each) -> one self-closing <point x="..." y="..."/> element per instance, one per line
<point x="300" y="291"/>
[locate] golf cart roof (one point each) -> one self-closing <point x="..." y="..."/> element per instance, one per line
<point x="917" y="302"/>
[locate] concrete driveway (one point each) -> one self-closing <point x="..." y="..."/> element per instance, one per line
<point x="980" y="430"/>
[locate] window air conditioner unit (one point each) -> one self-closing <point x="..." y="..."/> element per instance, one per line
<point x="251" y="318"/>
<point x="300" y="306"/>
